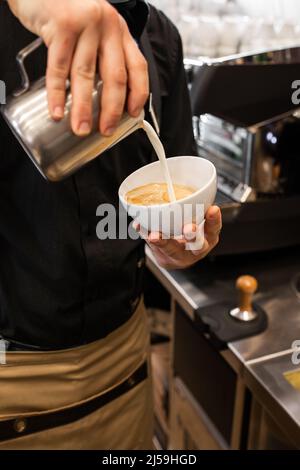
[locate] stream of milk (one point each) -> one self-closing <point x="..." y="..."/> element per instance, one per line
<point x="160" y="151"/>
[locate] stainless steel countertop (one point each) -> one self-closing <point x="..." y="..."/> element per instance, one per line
<point x="267" y="381"/>
<point x="211" y="282"/>
<point x="214" y="281"/>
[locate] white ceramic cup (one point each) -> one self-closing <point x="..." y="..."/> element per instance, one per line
<point x="170" y="218"/>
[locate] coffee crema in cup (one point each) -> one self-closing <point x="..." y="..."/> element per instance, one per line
<point x="156" y="193"/>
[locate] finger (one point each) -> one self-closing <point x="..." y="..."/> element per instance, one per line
<point x="213" y="224"/>
<point x="114" y="76"/>
<point x="171" y="248"/>
<point x="202" y="252"/>
<point x="136" y="226"/>
<point x="156" y="239"/>
<point x="214" y="217"/>
<point x="60" y="53"/>
<point x="162" y="240"/>
<point x="137" y="69"/>
<point x="144" y="234"/>
<point x="190" y="232"/>
<point x="194" y="235"/>
<point x="82" y="81"/>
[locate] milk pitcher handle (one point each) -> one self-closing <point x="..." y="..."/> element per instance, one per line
<point x="21" y="56"/>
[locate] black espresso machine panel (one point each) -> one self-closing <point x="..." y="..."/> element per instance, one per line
<point x="246" y="123"/>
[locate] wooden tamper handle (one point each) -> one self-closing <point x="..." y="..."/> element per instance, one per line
<point x="247" y="286"/>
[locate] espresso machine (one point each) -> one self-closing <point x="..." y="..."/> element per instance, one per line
<point x="246" y="123"/>
<point x="235" y="318"/>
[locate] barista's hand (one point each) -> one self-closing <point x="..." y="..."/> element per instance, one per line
<point x="77" y="33"/>
<point x="172" y="254"/>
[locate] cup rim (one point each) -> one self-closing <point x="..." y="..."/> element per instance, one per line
<point x="166" y="204"/>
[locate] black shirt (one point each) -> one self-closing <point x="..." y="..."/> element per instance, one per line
<point x="60" y="286"/>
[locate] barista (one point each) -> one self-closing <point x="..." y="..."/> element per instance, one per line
<point x="71" y="313"/>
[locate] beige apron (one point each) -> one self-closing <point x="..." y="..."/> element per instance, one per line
<point x="39" y="385"/>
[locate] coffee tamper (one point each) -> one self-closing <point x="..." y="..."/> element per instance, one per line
<point x="247" y="286"/>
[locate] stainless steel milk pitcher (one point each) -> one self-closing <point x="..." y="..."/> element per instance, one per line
<point x="52" y="146"/>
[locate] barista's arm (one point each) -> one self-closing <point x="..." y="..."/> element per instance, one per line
<point x="77" y="34"/>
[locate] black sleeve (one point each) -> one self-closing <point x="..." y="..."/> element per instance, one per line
<point x="176" y="123"/>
